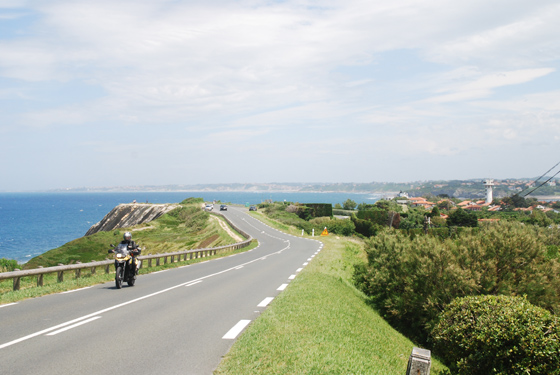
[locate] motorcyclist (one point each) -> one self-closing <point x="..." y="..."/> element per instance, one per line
<point x="133" y="248"/>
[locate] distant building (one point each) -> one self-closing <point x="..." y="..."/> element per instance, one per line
<point x="489" y="184"/>
<point x="402" y="194"/>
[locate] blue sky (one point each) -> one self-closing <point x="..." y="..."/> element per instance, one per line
<point x="110" y="93"/>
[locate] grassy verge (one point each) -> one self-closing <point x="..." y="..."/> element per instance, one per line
<point x="321" y="324"/>
<point x="30" y="290"/>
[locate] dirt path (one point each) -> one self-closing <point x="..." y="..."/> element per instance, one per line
<point x="227" y="229"/>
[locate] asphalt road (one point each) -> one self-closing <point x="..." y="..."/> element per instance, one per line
<point x="180" y="321"/>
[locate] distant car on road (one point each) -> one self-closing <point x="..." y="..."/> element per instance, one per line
<point x="209" y="207"/>
<point x="223" y="207"/>
<point x="253" y="208"/>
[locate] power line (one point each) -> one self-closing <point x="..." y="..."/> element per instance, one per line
<point x="542" y="183"/>
<point x="534" y="182"/>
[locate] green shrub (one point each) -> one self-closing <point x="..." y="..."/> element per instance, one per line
<point x="343" y="227"/>
<point x="319" y="209"/>
<point x="376" y="215"/>
<point x="365" y="227"/>
<point x="462" y="218"/>
<point x="498" y="335"/>
<point x="8" y="265"/>
<point x="411" y="279"/>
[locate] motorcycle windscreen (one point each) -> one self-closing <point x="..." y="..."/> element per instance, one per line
<point x="122" y="249"/>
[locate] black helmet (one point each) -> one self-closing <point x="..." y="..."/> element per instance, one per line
<point x="127" y="236"/>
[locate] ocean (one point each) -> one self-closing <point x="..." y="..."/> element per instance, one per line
<point x="33" y="223"/>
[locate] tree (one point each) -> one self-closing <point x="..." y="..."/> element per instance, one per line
<point x="365" y="206"/>
<point x="349" y="204"/>
<point x="462" y="218"/>
<point x="445" y="204"/>
<point x="435" y="212"/>
<point x="515" y="201"/>
<point x="383" y="204"/>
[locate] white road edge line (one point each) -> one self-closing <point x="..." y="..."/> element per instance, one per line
<point x="75" y="290"/>
<point x="299" y="269"/>
<point x="8" y="304"/>
<point x="282" y="287"/>
<point x="265" y="302"/>
<point x="73" y="326"/>
<point x="236" y="330"/>
<point x="292" y="277"/>
<point x="193" y="283"/>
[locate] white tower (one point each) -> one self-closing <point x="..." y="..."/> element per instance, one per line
<point x="488" y="185"/>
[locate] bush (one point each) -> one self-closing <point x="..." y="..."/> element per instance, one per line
<point x="498" y="335"/>
<point x="365" y="227"/>
<point x="343" y="227"/>
<point x="412" y="279"/>
<point x="8" y="265"/>
<point x="319" y="209"/>
<point x="462" y="218"/>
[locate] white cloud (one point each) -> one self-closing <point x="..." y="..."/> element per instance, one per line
<point x="482" y="87"/>
<point x="427" y="76"/>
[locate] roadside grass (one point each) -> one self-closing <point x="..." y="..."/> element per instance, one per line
<point x="276" y="224"/>
<point x="321" y="324"/>
<point x="29" y="288"/>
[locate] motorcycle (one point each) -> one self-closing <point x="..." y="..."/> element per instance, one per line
<point x="126" y="267"/>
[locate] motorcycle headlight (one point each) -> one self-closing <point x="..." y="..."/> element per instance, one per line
<point x="119" y="255"/>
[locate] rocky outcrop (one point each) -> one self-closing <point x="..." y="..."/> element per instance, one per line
<point x="130" y="214"/>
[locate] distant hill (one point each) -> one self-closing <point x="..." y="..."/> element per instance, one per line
<point x="454" y="188"/>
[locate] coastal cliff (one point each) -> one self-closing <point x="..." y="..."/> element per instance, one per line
<point x="130" y="214"/>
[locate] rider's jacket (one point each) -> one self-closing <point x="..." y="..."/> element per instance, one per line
<point x="131" y="246"/>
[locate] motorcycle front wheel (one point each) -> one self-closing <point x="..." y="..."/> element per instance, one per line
<point x="119" y="277"/>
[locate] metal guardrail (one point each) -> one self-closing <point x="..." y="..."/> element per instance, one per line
<point x="78" y="267"/>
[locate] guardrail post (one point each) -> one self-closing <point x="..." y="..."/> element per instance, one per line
<point x="165" y="260"/>
<point x="78" y="270"/>
<point x="172" y="258"/>
<point x="419" y="362"/>
<point x="107" y="267"/>
<point x="93" y="270"/>
<point x="150" y="263"/>
<point x="16" y="283"/>
<point x="40" y="278"/>
<point x="157" y="262"/>
<point x="60" y="277"/>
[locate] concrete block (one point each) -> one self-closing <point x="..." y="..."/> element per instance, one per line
<point x="419" y="362"/>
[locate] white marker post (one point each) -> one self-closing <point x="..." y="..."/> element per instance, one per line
<point x="313" y="233"/>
